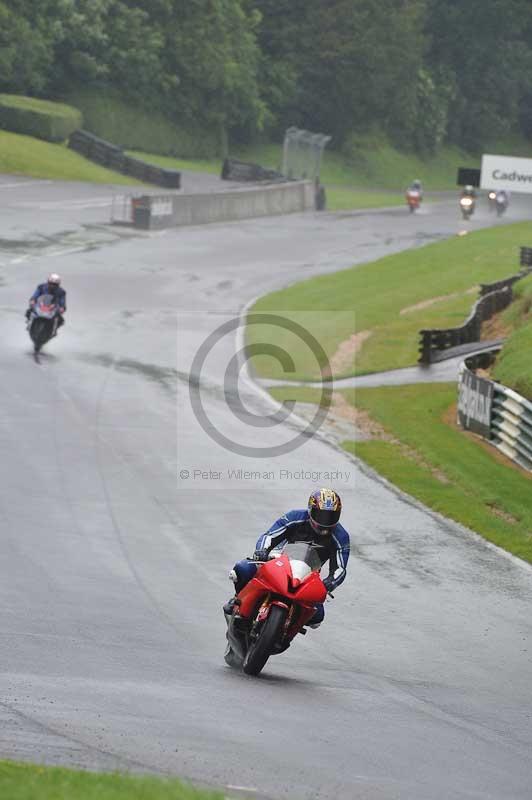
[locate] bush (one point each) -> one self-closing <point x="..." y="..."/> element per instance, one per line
<point x="135" y="128"/>
<point x="43" y="119"/>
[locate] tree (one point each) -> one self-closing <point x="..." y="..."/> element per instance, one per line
<point x="26" y="51"/>
<point x="347" y="64"/>
<point x="211" y="47"/>
<point x="483" y="46"/>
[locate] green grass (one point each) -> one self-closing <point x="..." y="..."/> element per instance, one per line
<point x="513" y="367"/>
<point x="445" y="469"/>
<point x="212" y="166"/>
<point x="25" y="155"/>
<point x="28" y="782"/>
<point x="135" y="128"/>
<point x="48" y="107"/>
<point x="341" y="198"/>
<point x="371" y="297"/>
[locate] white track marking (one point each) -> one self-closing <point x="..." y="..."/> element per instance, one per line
<point x="23" y="184"/>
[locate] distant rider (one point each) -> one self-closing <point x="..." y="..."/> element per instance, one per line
<point x="53" y="287"/>
<point x="416" y="186"/>
<point x="318" y="524"/>
<point x="502" y="196"/>
<point x="468" y="191"/>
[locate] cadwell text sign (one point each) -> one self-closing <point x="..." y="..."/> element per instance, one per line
<point x="506" y="172"/>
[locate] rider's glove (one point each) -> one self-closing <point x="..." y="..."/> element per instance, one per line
<point x="261" y="555"/>
<point x="328" y="583"/>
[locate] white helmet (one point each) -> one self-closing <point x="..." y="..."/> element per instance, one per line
<point x="54" y="278"/>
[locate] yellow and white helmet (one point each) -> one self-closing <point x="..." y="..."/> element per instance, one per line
<point x="324" y="508"/>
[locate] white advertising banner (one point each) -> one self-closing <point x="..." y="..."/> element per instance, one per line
<point x="506" y="172"/>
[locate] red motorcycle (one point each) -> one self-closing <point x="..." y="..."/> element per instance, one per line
<point x="274" y="606"/>
<point x="413" y="199"/>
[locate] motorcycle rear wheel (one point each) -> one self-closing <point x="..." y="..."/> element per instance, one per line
<point x="262" y="647"/>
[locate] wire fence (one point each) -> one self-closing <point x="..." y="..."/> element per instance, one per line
<point x="302" y="154"/>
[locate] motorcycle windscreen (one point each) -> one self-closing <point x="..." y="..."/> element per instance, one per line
<point x="46" y="304"/>
<point x="303" y="558"/>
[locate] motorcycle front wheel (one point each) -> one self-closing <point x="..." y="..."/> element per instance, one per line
<point x="40" y="333"/>
<point x="262" y="647"/>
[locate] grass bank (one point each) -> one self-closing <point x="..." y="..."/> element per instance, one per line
<point x="418" y="447"/>
<point x="387" y="302"/>
<point x="25" y="155"/>
<point x="513" y="367"/>
<point x="29" y="782"/>
<point x="428" y="456"/>
<point x="133" y="127"/>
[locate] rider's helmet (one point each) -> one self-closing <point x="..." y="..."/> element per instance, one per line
<point x="416" y="185"/>
<point x="324" y="508"/>
<point x="469" y="190"/>
<point x="54" y="279"/>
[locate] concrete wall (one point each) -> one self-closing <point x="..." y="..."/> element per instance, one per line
<point x="166" y="211"/>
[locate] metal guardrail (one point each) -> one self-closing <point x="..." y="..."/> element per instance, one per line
<point x="495" y="412"/>
<point x="436" y="340"/>
<point x="235" y="170"/>
<point x="111" y="156"/>
<point x="525" y="257"/>
<point x="493" y="297"/>
<point x="511" y="425"/>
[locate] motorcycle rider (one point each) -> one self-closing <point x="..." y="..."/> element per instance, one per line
<point x="416" y="186"/>
<point x="468" y="191"/>
<point x="53" y="287"/>
<point x="502" y="196"/>
<point x="318" y="524"/>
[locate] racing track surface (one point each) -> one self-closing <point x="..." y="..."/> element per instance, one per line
<point x="113" y="567"/>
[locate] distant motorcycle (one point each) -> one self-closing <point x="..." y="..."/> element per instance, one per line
<point x="274" y="606"/>
<point x="413" y="199"/>
<point x="467" y="205"/>
<point x="491" y="200"/>
<point x="501" y="203"/>
<point x="43" y="321"/>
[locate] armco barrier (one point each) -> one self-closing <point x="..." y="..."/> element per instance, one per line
<point x="493" y="297"/>
<point x="435" y="341"/>
<point x="173" y="210"/>
<point x="113" y="157"/>
<point x="495" y="412"/>
<point x="234" y="170"/>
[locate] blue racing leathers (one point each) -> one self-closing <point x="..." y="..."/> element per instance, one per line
<point x="294" y="526"/>
<point x="58" y="293"/>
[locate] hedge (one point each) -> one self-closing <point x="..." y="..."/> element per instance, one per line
<point x="40" y="118"/>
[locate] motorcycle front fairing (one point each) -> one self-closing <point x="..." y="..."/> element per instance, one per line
<point x="45" y="307"/>
<point x="292" y="576"/>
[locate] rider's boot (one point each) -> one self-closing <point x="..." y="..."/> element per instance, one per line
<point x="231" y="603"/>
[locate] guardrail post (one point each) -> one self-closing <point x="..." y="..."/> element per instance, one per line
<point x="425" y="350"/>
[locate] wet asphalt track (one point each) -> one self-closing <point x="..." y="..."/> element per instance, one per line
<point x="113" y="567"/>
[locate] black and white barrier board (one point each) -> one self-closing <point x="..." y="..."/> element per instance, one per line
<point x="497" y="413"/>
<point x="474" y="404"/>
